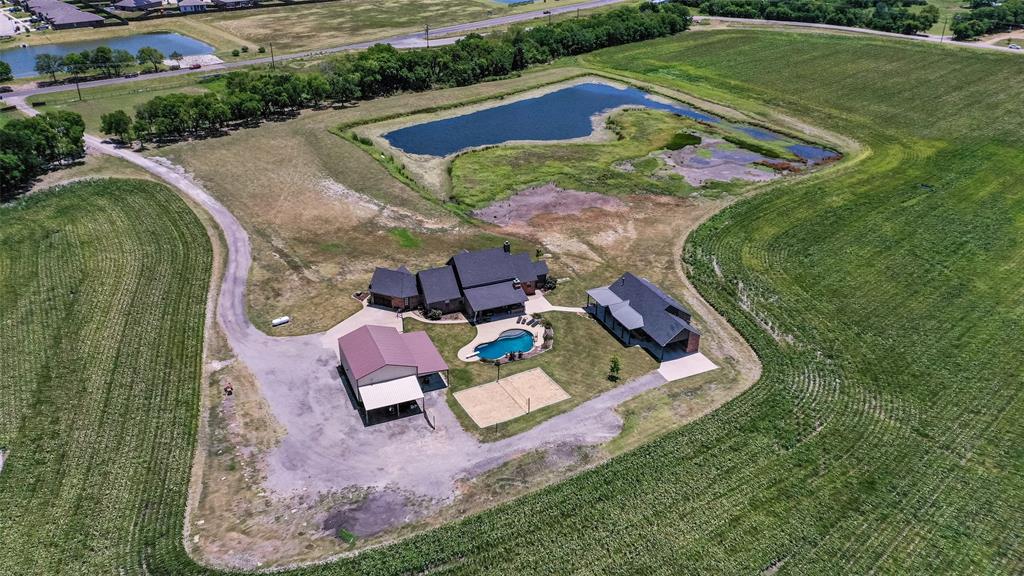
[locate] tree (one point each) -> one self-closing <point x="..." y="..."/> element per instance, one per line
<point x="117" y="123"/>
<point x="76" y="64"/>
<point x="150" y="55"/>
<point x="121" y="59"/>
<point x="317" y="88"/>
<point x="176" y="56"/>
<point x="101" y="58"/>
<point x="49" y="64"/>
<point x="614" y="367"/>
<point x="5" y="72"/>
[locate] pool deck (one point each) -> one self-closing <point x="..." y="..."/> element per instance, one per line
<point x="490" y="331"/>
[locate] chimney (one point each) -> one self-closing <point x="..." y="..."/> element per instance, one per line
<point x="508" y="247"/>
<point x="516" y="283"/>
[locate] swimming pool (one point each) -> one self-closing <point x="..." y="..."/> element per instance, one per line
<point x="507" y="341"/>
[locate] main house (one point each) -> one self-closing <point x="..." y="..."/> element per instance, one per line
<point x="639" y="313"/>
<point x="387" y="368"/>
<point x="482" y="284"/>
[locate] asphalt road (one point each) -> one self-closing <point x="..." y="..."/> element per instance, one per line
<point x="411" y="40"/>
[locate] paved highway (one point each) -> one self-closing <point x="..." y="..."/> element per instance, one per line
<point x="452" y="33"/>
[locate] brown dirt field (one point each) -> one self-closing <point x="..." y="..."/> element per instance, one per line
<point x="522" y="206"/>
<point x="319" y="210"/>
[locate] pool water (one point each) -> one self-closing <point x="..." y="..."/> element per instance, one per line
<point x="23" y="60"/>
<point x="508" y="341"/>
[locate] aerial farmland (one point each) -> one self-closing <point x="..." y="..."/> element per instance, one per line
<point x="601" y="287"/>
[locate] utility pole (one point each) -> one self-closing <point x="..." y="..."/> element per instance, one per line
<point x="272" y="63"/>
<point x="79" y="88"/>
<point x="942" y="37"/>
<point x="426" y="34"/>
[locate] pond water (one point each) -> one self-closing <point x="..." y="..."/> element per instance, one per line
<point x="23" y="60"/>
<point x="560" y="115"/>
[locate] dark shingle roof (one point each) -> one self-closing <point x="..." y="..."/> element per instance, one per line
<point x="495" y="265"/>
<point x="663" y="317"/>
<point x="396" y="283"/>
<point x="494" y="296"/>
<point x="438" y="284"/>
<point x="482" y="267"/>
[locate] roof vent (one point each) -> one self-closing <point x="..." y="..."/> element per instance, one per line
<point x="516" y="283"/>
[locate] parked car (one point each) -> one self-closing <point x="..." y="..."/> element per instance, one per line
<point x="132" y="75"/>
<point x="195" y="66"/>
<point x="1014" y="46"/>
<point x="5" y="89"/>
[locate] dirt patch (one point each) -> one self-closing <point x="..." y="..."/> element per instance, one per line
<point x="522" y="206"/>
<point x="372" y="515"/>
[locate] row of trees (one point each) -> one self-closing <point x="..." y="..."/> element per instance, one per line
<point x="31" y="146"/>
<point x="102" y="60"/>
<point x="988" y="17"/>
<point x="382" y="70"/>
<point x="892" y="16"/>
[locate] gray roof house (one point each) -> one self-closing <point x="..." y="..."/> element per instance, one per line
<point x="440" y="289"/>
<point x="638" y="312"/>
<point x="483" y="283"/>
<point x="138" y="5"/>
<point x="394" y="288"/>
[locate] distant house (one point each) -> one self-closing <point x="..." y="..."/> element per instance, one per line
<point x="484" y="284"/>
<point x="62" y="15"/>
<point x="193" y="6"/>
<point x="639" y="313"/>
<point x="230" y="4"/>
<point x="137" y="5"/>
<point x="387" y="369"/>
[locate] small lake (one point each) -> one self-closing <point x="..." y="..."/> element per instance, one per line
<point x="560" y="115"/>
<point x="23" y="60"/>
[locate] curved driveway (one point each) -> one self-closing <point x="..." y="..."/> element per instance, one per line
<point x="326" y="447"/>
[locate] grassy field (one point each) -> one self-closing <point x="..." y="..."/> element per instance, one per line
<point x="578" y="361"/>
<point x="98" y="101"/>
<point x="102" y="296"/>
<point x="883" y="298"/>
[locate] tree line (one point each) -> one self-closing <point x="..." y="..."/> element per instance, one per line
<point x="988" y="17"/>
<point x="102" y="60"/>
<point x="251" y="96"/>
<point x="31" y="146"/>
<point x="886" y="15"/>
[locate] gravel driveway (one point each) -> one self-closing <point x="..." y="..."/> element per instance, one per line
<point x="326" y="447"/>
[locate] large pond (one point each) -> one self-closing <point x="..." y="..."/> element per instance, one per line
<point x="560" y="115"/>
<point x="23" y="60"/>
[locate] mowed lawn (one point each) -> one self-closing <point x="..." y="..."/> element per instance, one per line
<point x="578" y="361"/>
<point x="102" y="295"/>
<point x="885" y="434"/>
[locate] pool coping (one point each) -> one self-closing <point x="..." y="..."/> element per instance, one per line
<point x="489" y="331"/>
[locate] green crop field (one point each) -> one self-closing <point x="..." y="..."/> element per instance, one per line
<point x="102" y="296"/>
<point x="884" y="437"/>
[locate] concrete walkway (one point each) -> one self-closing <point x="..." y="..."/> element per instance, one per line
<point x="538" y="304"/>
<point x="326" y="447"/>
<point x="685" y="367"/>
